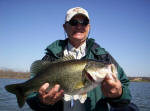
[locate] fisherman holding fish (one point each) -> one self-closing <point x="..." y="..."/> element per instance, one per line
<point x="76" y="74"/>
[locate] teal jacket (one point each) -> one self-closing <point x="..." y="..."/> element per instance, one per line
<point x="97" y="101"/>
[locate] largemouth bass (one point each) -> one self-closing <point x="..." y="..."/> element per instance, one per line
<point x="74" y="77"/>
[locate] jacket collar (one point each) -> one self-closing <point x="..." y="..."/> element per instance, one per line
<point x="57" y="48"/>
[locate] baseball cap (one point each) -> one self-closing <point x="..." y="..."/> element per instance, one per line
<point x="75" y="11"/>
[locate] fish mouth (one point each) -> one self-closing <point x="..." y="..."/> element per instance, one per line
<point x="89" y="77"/>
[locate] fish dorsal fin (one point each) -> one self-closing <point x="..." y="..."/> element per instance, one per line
<point x="67" y="58"/>
<point x="38" y="66"/>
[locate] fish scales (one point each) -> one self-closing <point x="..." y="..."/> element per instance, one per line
<point x="74" y="77"/>
<point x="67" y="74"/>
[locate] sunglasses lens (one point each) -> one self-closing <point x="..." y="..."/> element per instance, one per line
<point x="85" y="23"/>
<point x="73" y="22"/>
<point x="76" y="22"/>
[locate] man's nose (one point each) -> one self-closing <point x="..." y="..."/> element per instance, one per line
<point x="79" y="26"/>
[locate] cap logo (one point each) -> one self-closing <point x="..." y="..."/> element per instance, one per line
<point x="78" y="10"/>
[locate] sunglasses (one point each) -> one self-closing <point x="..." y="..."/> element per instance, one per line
<point x="76" y="22"/>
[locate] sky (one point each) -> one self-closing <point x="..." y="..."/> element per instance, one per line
<point x="122" y="27"/>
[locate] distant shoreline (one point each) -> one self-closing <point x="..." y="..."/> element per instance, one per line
<point x="139" y="79"/>
<point x="10" y="74"/>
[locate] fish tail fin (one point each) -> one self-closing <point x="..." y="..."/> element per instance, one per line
<point x="18" y="91"/>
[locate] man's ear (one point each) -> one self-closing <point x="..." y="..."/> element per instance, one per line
<point x="64" y="25"/>
<point x="89" y="26"/>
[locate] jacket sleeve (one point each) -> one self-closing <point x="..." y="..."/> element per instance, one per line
<point x="125" y="98"/>
<point x="34" y="102"/>
<point x="102" y="55"/>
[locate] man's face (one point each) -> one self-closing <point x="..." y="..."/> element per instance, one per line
<point x="78" y="32"/>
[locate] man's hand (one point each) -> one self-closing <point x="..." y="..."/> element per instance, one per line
<point x="111" y="87"/>
<point x="52" y="96"/>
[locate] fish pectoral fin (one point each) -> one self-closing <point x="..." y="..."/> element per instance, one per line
<point x="79" y="85"/>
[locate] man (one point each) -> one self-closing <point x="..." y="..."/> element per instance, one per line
<point x="113" y="91"/>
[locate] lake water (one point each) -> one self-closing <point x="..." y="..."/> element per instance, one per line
<point x="140" y="92"/>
